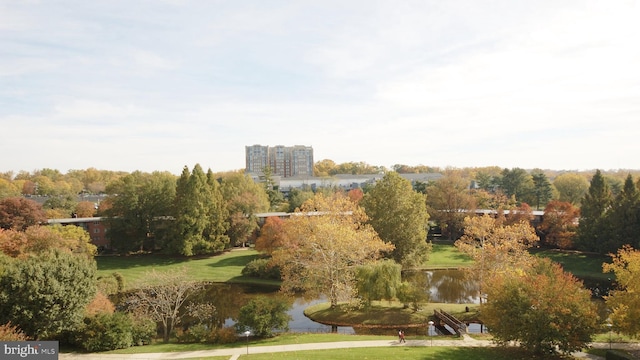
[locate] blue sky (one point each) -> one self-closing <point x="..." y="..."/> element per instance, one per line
<point x="159" y="85"/>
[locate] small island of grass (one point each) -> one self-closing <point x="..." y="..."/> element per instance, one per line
<point x="385" y="314"/>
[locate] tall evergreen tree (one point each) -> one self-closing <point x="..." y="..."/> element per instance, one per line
<point x="200" y="215"/>
<point x="624" y="217"/>
<point x="542" y="190"/>
<point x="594" y="228"/>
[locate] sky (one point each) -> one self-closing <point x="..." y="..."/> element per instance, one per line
<point x="160" y="85"/>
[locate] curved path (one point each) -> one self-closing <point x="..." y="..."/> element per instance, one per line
<point x="235" y="353"/>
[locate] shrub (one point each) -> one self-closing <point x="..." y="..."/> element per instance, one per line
<point x="10" y="332"/>
<point x="105" y="331"/>
<point x="144" y="330"/>
<point x="262" y="269"/>
<point x="263" y="314"/>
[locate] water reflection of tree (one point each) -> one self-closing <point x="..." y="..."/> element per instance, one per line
<point x="227" y="299"/>
<point x="446" y="286"/>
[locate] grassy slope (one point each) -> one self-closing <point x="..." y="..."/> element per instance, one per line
<point x="220" y="268"/>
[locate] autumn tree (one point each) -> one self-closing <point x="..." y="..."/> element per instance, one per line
<point x="448" y="201"/>
<point x="85" y="209"/>
<point x="571" y="187"/>
<point x="162" y="295"/>
<point x="495" y="248"/>
<point x="8" y="189"/>
<point x="624" y="301"/>
<point x="326" y="240"/>
<point x="594" y="229"/>
<point x="18" y="213"/>
<point x="559" y="224"/>
<point x="540" y="307"/>
<point x="271" y="235"/>
<point x="399" y="215"/>
<point x="244" y="199"/>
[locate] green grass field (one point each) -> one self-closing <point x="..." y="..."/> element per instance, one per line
<point x="446" y="256"/>
<point x="226" y="267"/>
<point x="400" y="352"/>
<point x="579" y="264"/>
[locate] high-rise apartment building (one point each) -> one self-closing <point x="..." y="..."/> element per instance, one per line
<point x="284" y="161"/>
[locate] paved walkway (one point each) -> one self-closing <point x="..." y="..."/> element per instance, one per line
<point x="235" y="353"/>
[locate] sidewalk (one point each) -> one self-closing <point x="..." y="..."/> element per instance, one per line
<point x="235" y="353"/>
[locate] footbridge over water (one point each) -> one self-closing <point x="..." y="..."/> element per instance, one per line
<point x="445" y="318"/>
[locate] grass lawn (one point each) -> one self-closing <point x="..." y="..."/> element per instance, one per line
<point x="579" y="264"/>
<point x="444" y="256"/>
<point x="400" y="352"/>
<point x="219" y="268"/>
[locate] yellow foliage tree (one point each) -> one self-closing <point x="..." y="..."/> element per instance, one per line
<point x="624" y="302"/>
<point x="495" y="248"/>
<point x="324" y="242"/>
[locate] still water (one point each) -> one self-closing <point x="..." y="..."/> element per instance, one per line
<point x="446" y="286"/>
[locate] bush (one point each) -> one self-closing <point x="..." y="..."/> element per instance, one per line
<point x="262" y="269"/>
<point x="105" y="331"/>
<point x="9" y="332"/>
<point x="143" y="331"/>
<point x="225" y="335"/>
<point x="263" y="314"/>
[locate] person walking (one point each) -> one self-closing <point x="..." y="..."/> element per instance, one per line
<point x="402" y="340"/>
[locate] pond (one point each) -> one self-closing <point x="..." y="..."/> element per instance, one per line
<point x="446" y="286"/>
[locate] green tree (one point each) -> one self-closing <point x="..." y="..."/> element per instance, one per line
<point x="245" y="198"/>
<point x="47" y="293"/>
<point x="297" y="197"/>
<point x="140" y="203"/>
<point x="517" y="183"/>
<point x="276" y="199"/>
<point x="542" y="189"/>
<point x="624" y="217"/>
<point x="541" y="308"/>
<point x="325" y="241"/>
<point x="624" y="301"/>
<point x="448" y="201"/>
<point x="200" y="215"/>
<point x="381" y="280"/>
<point x="263" y="315"/>
<point x="571" y="187"/>
<point x="594" y="228"/>
<point x="399" y="215"/>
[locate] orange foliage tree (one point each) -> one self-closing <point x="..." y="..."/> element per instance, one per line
<point x="559" y="224"/>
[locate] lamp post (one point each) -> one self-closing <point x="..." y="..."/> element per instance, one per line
<point x="429" y="331"/>
<point x="247" y="333"/>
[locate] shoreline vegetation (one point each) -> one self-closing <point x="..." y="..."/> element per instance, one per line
<point x="227" y="268"/>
